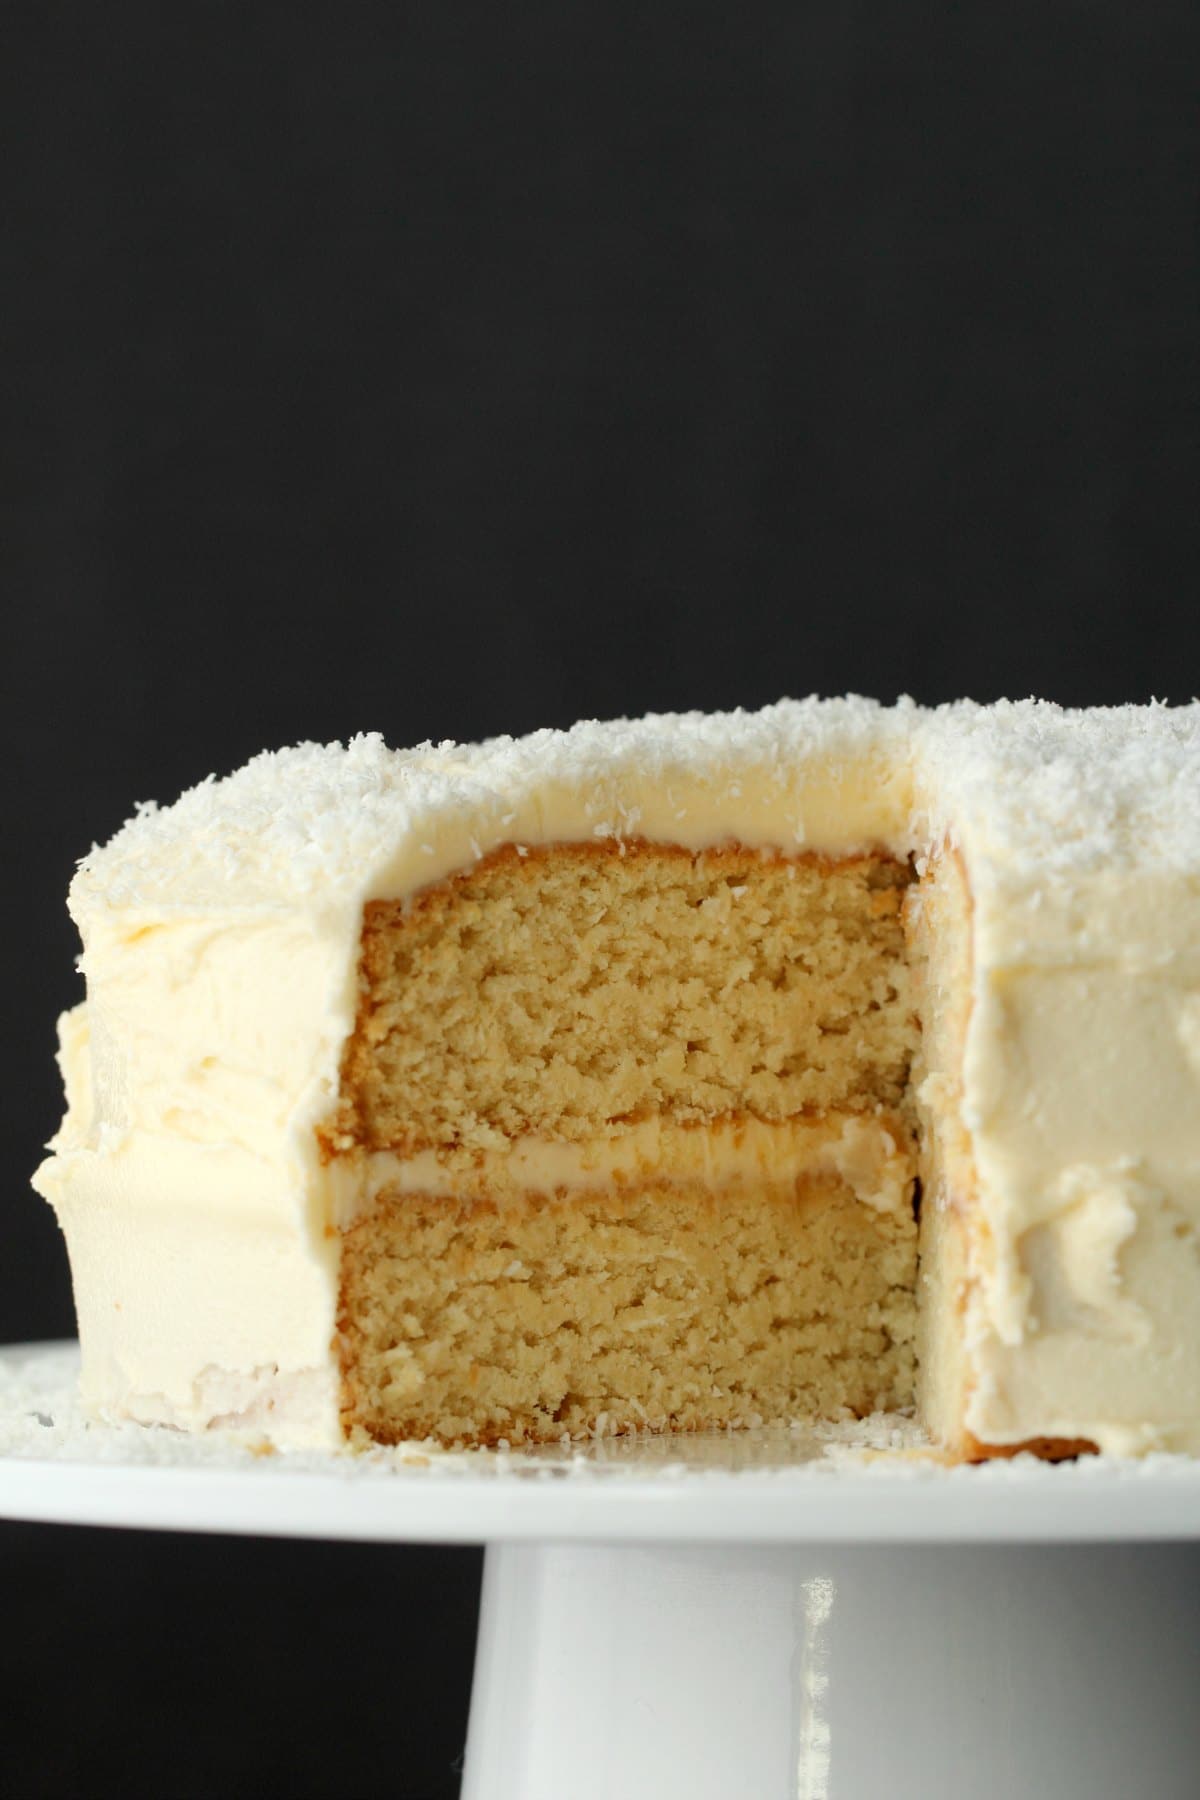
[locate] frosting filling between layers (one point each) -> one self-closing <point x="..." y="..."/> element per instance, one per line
<point x="871" y="1154"/>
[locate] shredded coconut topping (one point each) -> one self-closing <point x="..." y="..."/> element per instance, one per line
<point x="1067" y="789"/>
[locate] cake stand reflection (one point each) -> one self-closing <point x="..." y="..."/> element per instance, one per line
<point x="768" y="1616"/>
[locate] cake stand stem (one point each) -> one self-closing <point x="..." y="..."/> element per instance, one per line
<point x="861" y="1673"/>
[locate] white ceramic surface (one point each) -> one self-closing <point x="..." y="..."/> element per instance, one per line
<point x="837" y="1673"/>
<point x="754" y="1487"/>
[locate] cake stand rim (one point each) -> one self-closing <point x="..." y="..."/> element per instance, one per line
<point x="338" y="1497"/>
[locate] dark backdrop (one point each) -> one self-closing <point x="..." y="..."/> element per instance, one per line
<point x="457" y="369"/>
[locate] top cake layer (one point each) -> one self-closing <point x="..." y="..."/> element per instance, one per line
<point x="570" y="992"/>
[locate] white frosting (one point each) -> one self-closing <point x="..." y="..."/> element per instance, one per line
<point x="200" y="1218"/>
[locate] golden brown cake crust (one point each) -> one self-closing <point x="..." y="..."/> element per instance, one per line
<point x="1047" y="1448"/>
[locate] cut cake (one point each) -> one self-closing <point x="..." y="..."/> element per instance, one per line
<point x="691" y="1072"/>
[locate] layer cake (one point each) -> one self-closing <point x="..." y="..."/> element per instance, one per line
<point x="671" y="1074"/>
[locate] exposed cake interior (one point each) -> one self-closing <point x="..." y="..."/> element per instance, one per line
<point x="630" y="1131"/>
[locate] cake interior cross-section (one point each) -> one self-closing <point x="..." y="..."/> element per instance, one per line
<point x="657" y="1102"/>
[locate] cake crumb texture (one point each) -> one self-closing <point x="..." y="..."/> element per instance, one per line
<point x="665" y="1306"/>
<point x="564" y="991"/>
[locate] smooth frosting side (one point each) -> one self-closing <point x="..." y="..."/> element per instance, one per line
<point x="204" y="1285"/>
<point x="1080" y="1097"/>
<point x="1080" y="836"/>
<point x="220" y="949"/>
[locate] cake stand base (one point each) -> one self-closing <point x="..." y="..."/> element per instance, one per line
<point x="737" y="1617"/>
<point x="848" y="1673"/>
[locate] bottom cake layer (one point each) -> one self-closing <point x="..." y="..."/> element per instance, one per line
<point x="661" y="1305"/>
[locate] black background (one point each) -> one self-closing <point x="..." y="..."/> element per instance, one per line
<point x="450" y="370"/>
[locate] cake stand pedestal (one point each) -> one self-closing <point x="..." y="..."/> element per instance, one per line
<point x="737" y="1618"/>
<point x="836" y="1673"/>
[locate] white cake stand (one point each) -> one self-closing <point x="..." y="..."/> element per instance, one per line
<point x="770" y="1616"/>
